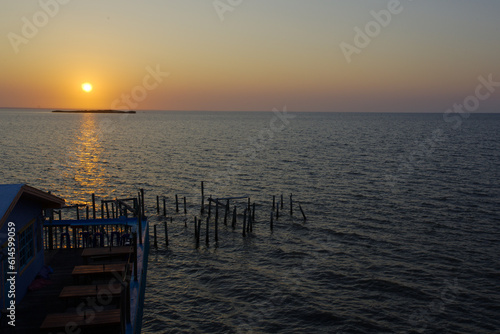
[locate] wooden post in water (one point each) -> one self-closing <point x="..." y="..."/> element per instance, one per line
<point x="155" y="241"/>
<point x="216" y="210"/>
<point x="176" y="203"/>
<point x="185" y="206"/>
<point x="107" y="210"/>
<point x="302" y="211"/>
<point x="164" y="207"/>
<point x="113" y="210"/>
<point x="277" y="211"/>
<point x="93" y="205"/>
<point x="157" y="204"/>
<point x="202" y="198"/>
<point x="281" y="202"/>
<point x="207" y="231"/>
<point x="166" y="233"/>
<point x="274" y="201"/>
<point x="271" y="224"/>
<point x="77" y="212"/>
<point x="291" y="205"/>
<point x="233" y="222"/>
<point x="226" y="212"/>
<point x="244" y="222"/>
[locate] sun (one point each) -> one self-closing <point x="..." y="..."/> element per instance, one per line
<point x="87" y="87"/>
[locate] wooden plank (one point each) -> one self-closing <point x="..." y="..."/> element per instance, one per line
<point x="57" y="321"/>
<point x="79" y="291"/>
<point x="99" y="251"/>
<point x="91" y="269"/>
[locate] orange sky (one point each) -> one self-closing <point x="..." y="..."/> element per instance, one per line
<point x="261" y="55"/>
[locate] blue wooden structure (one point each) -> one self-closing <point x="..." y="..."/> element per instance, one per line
<point x="21" y="218"/>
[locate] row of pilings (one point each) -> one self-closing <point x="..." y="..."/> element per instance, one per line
<point x="228" y="211"/>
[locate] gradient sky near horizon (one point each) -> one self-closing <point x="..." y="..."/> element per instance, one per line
<point x="263" y="55"/>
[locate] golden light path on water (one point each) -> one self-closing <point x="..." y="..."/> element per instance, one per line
<point x="85" y="160"/>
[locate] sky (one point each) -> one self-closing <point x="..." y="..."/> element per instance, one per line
<point x="255" y="55"/>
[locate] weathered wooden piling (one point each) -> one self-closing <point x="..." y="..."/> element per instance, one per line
<point x="155" y="241"/>
<point x="185" y="206"/>
<point x="113" y="213"/>
<point x="157" y="204"/>
<point x="176" y="203"/>
<point x="93" y="205"/>
<point x="274" y="201"/>
<point x="281" y="202"/>
<point x="202" y="198"/>
<point x="271" y="224"/>
<point x="302" y="211"/>
<point x="291" y="205"/>
<point x="226" y="213"/>
<point x="210" y="205"/>
<point x="142" y="203"/>
<point x="233" y="222"/>
<point x="102" y="209"/>
<point x="166" y="233"/>
<point x="164" y="207"/>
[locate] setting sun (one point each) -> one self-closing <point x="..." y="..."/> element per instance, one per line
<point x="87" y="87"/>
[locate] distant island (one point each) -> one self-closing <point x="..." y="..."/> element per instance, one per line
<point x="98" y="111"/>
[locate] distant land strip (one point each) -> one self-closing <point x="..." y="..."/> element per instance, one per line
<point x="109" y="111"/>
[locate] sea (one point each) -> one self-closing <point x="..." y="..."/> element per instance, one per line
<point x="398" y="232"/>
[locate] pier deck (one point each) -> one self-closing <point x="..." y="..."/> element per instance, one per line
<point x="37" y="304"/>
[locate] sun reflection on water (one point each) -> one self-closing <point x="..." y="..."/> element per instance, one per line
<point x="87" y="169"/>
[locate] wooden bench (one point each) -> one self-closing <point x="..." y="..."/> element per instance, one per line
<point x="98" y="270"/>
<point x="99" y="291"/>
<point x="106" y="252"/>
<point x="70" y="322"/>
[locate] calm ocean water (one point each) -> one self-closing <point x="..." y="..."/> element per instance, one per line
<point x="402" y="234"/>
